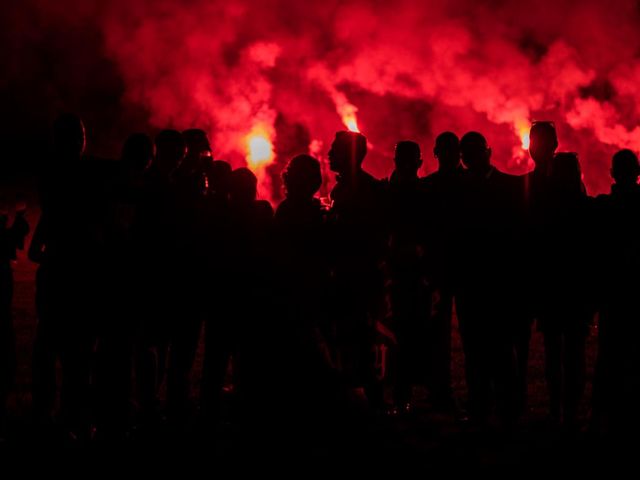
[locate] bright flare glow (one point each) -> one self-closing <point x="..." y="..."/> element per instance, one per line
<point x="259" y="148"/>
<point x="351" y="122"/>
<point x="348" y="113"/>
<point x="522" y="129"/>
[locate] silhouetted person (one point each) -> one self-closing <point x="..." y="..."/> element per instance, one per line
<point x="543" y="143"/>
<point x="566" y="307"/>
<point x="220" y="333"/>
<point x="308" y="385"/>
<point x="190" y="183"/>
<point x="124" y="306"/>
<point x="535" y="196"/>
<point x="11" y="239"/>
<point x="617" y="381"/>
<point x="251" y="293"/>
<point x="69" y="145"/>
<point x="218" y="181"/>
<point x="408" y="292"/>
<point x="443" y="190"/>
<point x="191" y="172"/>
<point x="67" y="244"/>
<point x="243" y="192"/>
<point x="157" y="234"/>
<point x="358" y="244"/>
<point x="483" y="274"/>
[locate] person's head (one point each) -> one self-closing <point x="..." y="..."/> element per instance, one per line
<point x="243" y="186"/>
<point x="170" y="150"/>
<point x="218" y="177"/>
<point x="407" y="160"/>
<point x="475" y="152"/>
<point x="347" y="152"/>
<point x="302" y="177"/>
<point x="69" y="136"/>
<point x="197" y="144"/>
<point x="625" y="168"/>
<point x="137" y="152"/>
<point x="543" y="142"/>
<point x="447" y="151"/>
<point x="565" y="175"/>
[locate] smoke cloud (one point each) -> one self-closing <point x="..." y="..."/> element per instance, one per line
<point x="407" y="69"/>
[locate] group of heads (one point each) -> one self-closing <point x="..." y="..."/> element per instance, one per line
<point x="472" y="150"/>
<point x="349" y="149"/>
<point x="565" y="166"/>
<point x="190" y="150"/>
<point x="171" y="150"/>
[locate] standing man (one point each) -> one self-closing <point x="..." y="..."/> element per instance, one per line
<point x="484" y="307"/>
<point x="443" y="190"/>
<point x="358" y="243"/>
<point x="408" y="288"/>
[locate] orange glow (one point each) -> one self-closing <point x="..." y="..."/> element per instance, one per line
<point x="259" y="148"/>
<point x="522" y="128"/>
<point x="351" y="122"/>
<point x="348" y="113"/>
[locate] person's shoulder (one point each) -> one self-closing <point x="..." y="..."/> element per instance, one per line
<point x="264" y="209"/>
<point x="603" y="201"/>
<point x="283" y="209"/>
<point x="371" y="184"/>
<point x="368" y="179"/>
<point x="514" y="181"/>
<point x="590" y="207"/>
<point x="429" y="180"/>
<point x="635" y="193"/>
<point x="507" y="177"/>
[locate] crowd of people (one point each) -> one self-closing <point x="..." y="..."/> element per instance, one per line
<point x="310" y="309"/>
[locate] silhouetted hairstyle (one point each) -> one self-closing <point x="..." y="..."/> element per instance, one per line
<point x="565" y="174"/>
<point x="302" y="176"/>
<point x="243" y="185"/>
<point x="625" y="168"/>
<point x="475" y="150"/>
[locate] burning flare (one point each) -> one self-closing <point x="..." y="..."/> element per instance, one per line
<point x="344" y="108"/>
<point x="259" y="148"/>
<point x="348" y="113"/>
<point x="523" y="127"/>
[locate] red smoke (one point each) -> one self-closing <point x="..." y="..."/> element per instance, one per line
<point x="292" y="70"/>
